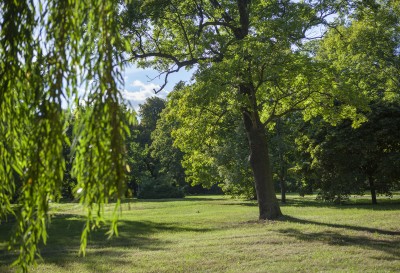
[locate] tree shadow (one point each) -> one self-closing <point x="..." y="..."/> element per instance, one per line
<point x="64" y="236"/>
<point x="390" y="246"/>
<point x="136" y="200"/>
<point x="186" y="198"/>
<point x="384" y="205"/>
<point x="342" y="226"/>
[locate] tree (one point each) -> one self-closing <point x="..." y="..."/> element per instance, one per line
<point x="149" y="113"/>
<point x="151" y="179"/>
<point x="69" y="182"/>
<point x="163" y="150"/>
<point x="169" y="156"/>
<point x="212" y="140"/>
<point x="352" y="160"/>
<point x="241" y="46"/>
<point x="362" y="58"/>
<point x="49" y="50"/>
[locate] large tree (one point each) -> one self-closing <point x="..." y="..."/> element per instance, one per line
<point x="245" y="48"/>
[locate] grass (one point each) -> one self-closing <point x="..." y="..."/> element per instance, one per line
<point x="219" y="234"/>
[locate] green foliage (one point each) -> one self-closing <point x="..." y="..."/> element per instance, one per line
<point x="150" y="112"/>
<point x="155" y="174"/>
<point x="147" y="167"/>
<point x="208" y="131"/>
<point x="161" y="187"/>
<point x="162" y="149"/>
<point x="236" y="46"/>
<point x="283" y="151"/>
<point x="362" y="58"/>
<point x="360" y="63"/>
<point x="348" y="160"/>
<point x="69" y="181"/>
<point x="50" y="49"/>
<point x="251" y="64"/>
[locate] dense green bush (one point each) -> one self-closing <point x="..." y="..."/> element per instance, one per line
<point x="159" y="188"/>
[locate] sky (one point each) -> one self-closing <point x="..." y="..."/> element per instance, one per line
<point x="140" y="84"/>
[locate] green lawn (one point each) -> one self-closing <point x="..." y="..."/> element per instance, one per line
<point x="219" y="234"/>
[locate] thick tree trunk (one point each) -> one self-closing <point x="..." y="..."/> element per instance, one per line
<point x="259" y="160"/>
<point x="259" y="157"/>
<point x="372" y="189"/>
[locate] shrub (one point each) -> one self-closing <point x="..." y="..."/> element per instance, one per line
<point x="159" y="188"/>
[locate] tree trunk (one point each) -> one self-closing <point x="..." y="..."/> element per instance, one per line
<point x="283" y="190"/>
<point x="282" y="174"/>
<point x="259" y="159"/>
<point x="372" y="189"/>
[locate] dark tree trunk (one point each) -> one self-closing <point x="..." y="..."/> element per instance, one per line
<point x="259" y="159"/>
<point x="372" y="189"/>
<point x="282" y="174"/>
<point x="283" y="190"/>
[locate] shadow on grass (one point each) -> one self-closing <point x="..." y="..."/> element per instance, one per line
<point x="354" y="228"/>
<point x="390" y="204"/>
<point x="136" y="200"/>
<point x="384" y="205"/>
<point x="186" y="198"/>
<point x="389" y="245"/>
<point x="64" y="234"/>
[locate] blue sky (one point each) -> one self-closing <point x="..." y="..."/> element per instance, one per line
<point x="139" y="84"/>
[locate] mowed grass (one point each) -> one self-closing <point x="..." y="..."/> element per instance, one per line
<point x="220" y="234"/>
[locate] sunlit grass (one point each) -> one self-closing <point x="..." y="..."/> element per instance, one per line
<point x="220" y="234"/>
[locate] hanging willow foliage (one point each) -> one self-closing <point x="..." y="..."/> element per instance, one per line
<point x="50" y="50"/>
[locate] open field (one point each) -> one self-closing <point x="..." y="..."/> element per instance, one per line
<point x="219" y="234"/>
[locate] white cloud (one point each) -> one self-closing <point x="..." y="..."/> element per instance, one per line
<point x="140" y="91"/>
<point x="138" y="88"/>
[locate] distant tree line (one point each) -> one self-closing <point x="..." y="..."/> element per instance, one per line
<point x="155" y="169"/>
<point x="314" y="156"/>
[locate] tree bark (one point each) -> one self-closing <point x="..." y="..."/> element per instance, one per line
<point x="282" y="175"/>
<point x="259" y="158"/>
<point x="372" y="189"/>
<point x="283" y="190"/>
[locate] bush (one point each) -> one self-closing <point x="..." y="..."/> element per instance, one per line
<point x="159" y="188"/>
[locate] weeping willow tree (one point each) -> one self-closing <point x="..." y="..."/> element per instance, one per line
<point x="52" y="51"/>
